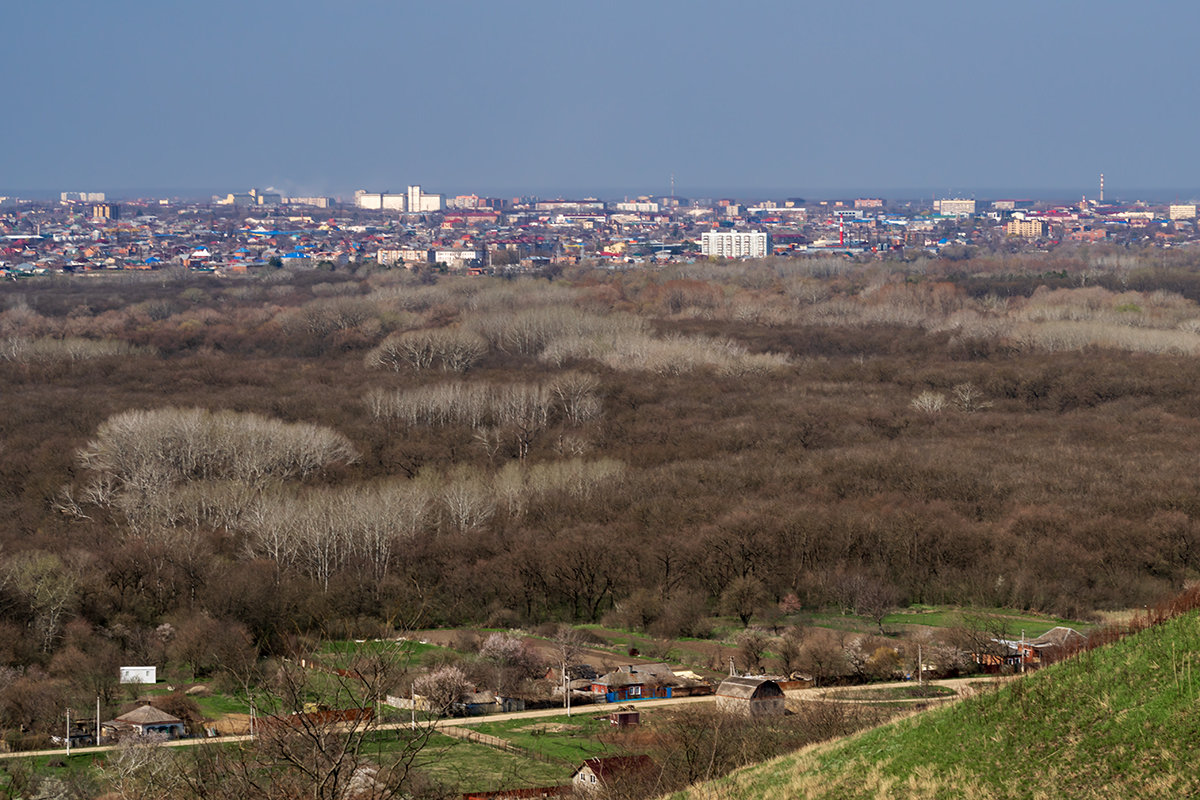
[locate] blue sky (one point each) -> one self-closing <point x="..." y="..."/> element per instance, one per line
<point x="610" y="96"/>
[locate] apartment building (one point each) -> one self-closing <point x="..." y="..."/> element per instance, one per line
<point x="735" y="244"/>
<point x="381" y="201"/>
<point x="421" y="203"/>
<point x="1026" y="228"/>
<point x="955" y="207"/>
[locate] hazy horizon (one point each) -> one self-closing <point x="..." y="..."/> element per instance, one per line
<point x="898" y="195"/>
<point x="319" y="98"/>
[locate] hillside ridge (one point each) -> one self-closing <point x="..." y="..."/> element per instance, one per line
<point x="1115" y="721"/>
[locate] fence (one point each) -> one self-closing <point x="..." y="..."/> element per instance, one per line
<point x="519" y="794"/>
<point x="468" y="735"/>
<point x="398" y="702"/>
<point x="318" y="718"/>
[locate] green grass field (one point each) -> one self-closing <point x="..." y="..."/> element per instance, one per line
<point x="1120" y="721"/>
<point x="215" y="706"/>
<point x="468" y="766"/>
<point x="1015" y="622"/>
<point x="60" y="767"/>
<point x="566" y="739"/>
<point x="341" y="653"/>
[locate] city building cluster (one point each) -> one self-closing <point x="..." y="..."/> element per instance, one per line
<point x="86" y="232"/>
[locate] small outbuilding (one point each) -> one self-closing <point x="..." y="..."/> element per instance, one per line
<point x="476" y="704"/>
<point x="751" y="697"/>
<point x="625" y="718"/>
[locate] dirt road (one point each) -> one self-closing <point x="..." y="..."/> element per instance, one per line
<point x="958" y="684"/>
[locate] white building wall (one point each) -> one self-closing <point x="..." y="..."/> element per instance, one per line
<point x="421" y="203"/>
<point x="735" y="244"/>
<point x="394" y="202"/>
<point x="145" y="675"/>
<point x="369" y="200"/>
<point x="956" y="206"/>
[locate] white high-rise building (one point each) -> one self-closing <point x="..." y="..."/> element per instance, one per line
<point x="955" y="207"/>
<point x="380" y="201"/>
<point x="421" y="203"/>
<point x="735" y="244"/>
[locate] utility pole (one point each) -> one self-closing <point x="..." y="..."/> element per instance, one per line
<point x="97" y="720"/>
<point x="920" y="667"/>
<point x="68" y="731"/>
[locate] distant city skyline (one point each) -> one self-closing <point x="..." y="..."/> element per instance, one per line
<point x="609" y="99"/>
<point x="901" y="194"/>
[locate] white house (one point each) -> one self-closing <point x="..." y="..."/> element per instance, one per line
<point x="139" y="674"/>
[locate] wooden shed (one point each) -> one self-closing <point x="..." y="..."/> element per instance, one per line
<point x="752" y="697"/>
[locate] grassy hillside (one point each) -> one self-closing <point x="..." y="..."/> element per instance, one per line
<point x="1119" y="721"/>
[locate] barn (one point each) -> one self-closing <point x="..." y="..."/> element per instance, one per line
<point x="751" y="697"/>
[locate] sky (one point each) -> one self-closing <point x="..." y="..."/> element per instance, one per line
<point x="609" y="98"/>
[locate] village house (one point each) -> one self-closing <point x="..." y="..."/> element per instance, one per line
<point x="598" y="774"/>
<point x="145" y="721"/>
<point x="1051" y="646"/>
<point x="636" y="682"/>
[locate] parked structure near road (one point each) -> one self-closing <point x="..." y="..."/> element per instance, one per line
<point x="752" y="697"/>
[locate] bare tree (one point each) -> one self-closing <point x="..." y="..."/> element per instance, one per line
<point x="467" y="501"/>
<point x="969" y="398"/>
<point x="929" y="403"/>
<point x="47" y="587"/>
<point x="743" y="597"/>
<point x="525" y="410"/>
<point x="752" y="646"/>
<point x="139" y="458"/>
<point x="450" y="349"/>
<point x="789" y="647"/>
<point x="575" y="393"/>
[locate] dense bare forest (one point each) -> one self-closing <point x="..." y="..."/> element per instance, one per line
<point x="246" y="460"/>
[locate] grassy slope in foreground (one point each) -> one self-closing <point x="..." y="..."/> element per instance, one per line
<point x="1119" y="721"/>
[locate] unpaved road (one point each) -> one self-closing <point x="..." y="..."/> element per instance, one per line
<point x="958" y="684"/>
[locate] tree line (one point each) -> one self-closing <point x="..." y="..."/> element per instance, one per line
<point x="303" y="452"/>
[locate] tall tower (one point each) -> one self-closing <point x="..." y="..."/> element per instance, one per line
<point x="1101" y="187"/>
